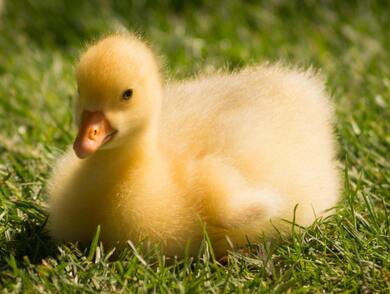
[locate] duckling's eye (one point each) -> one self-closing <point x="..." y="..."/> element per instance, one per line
<point x="127" y="94"/>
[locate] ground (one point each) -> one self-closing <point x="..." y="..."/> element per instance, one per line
<point x="348" y="41"/>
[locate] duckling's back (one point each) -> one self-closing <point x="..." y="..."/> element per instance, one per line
<point x="273" y="124"/>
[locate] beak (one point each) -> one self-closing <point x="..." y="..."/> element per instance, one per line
<point x="94" y="131"/>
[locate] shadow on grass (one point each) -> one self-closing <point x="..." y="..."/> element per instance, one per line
<point x="26" y="241"/>
<point x="29" y="245"/>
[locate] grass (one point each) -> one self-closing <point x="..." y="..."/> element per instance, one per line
<point x="348" y="40"/>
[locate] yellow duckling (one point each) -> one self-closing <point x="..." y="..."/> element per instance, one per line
<point x="235" y="152"/>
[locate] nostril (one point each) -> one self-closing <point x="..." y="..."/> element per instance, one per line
<point x="93" y="133"/>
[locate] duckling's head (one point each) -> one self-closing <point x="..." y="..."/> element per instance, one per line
<point x="119" y="94"/>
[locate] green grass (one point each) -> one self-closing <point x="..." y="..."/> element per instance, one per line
<point x="348" y="40"/>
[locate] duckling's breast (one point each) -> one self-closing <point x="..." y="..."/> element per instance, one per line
<point x="127" y="204"/>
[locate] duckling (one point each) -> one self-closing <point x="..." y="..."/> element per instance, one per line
<point x="236" y="153"/>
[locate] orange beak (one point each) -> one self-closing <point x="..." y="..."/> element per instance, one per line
<point x="94" y="131"/>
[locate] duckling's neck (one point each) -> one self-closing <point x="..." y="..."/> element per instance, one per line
<point x="145" y="162"/>
<point x="143" y="149"/>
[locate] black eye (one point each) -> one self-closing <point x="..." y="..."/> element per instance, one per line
<point x="127" y="94"/>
